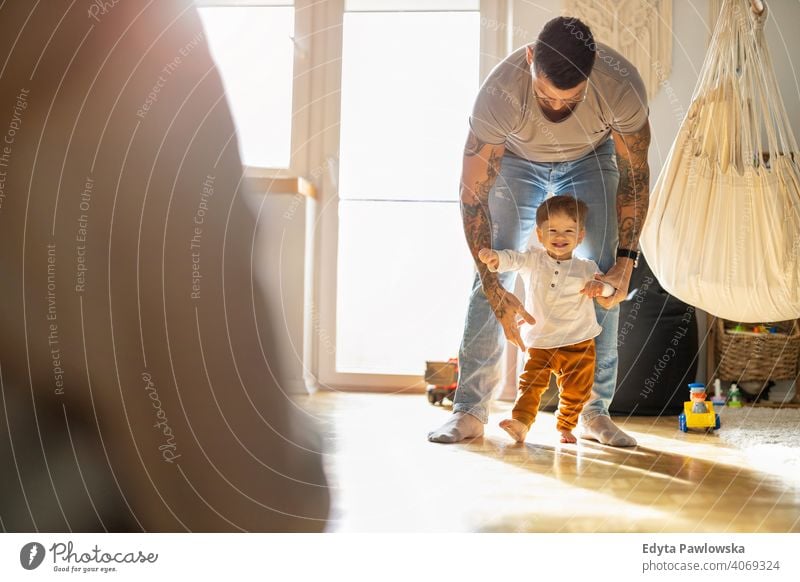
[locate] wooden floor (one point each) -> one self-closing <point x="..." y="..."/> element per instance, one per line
<point x="386" y="476"/>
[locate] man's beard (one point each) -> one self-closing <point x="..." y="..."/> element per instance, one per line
<point x="556" y="116"/>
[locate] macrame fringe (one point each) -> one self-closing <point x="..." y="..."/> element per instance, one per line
<point x="640" y="30"/>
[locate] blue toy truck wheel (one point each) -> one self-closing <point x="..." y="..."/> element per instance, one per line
<point x="716" y="423"/>
<point x="682" y="422"/>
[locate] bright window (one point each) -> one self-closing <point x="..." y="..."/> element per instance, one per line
<point x="408" y="83"/>
<point x="404" y="271"/>
<point x="253" y="49"/>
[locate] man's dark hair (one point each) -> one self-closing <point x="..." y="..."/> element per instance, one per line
<point x="564" y="52"/>
<point x="563" y="204"/>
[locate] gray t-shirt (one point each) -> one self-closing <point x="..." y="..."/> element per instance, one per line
<point x="506" y="112"/>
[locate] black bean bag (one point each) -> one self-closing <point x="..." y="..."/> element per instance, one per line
<point x="658" y="349"/>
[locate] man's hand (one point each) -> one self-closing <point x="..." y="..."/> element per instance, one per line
<point x="489" y="258"/>
<point x="510" y="313"/>
<point x="619" y="277"/>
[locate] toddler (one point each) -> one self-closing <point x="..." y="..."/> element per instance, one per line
<point x="559" y="293"/>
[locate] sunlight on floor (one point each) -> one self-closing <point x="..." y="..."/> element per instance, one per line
<point x="388" y="477"/>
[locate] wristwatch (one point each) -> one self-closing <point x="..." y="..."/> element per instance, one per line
<point x="630" y="255"/>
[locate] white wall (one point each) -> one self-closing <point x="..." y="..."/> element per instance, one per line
<point x="784" y="45"/>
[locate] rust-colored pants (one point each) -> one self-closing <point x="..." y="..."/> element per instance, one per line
<point x="573" y="366"/>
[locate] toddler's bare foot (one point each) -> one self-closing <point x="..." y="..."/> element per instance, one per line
<point x="515" y="429"/>
<point x="567" y="436"/>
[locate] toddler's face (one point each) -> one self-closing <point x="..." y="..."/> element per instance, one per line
<point x="560" y="235"/>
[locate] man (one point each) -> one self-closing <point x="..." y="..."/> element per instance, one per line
<point x="564" y="116"/>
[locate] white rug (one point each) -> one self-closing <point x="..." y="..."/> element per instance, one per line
<point x="769" y="436"/>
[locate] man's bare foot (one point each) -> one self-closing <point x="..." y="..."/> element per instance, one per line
<point x="603" y="430"/>
<point x="461" y="426"/>
<point x="515" y="429"/>
<point x="567" y="436"/>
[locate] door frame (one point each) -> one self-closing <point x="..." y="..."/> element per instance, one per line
<point x="325" y="77"/>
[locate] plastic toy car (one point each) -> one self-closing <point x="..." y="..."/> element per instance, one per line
<point x="697" y="413"/>
<point x="442" y="379"/>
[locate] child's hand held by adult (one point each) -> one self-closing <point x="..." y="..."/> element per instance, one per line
<point x="618" y="276"/>
<point x="489" y="257"/>
<point x="598" y="288"/>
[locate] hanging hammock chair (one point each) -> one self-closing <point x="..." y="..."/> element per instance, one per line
<point x="723" y="227"/>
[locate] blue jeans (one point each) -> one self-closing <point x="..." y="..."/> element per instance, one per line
<point x="519" y="189"/>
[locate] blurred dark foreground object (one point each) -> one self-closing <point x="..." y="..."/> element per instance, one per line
<point x="138" y="389"/>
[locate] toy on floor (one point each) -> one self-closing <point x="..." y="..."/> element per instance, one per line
<point x="734" y="396"/>
<point x="442" y="379"/>
<point x="718" y="399"/>
<point x="697" y="413"/>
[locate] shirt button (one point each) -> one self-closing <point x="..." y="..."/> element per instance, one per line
<point x="552" y="284"/>
<point x="556" y="272"/>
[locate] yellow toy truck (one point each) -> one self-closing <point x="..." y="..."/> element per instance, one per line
<point x="697" y="413"/>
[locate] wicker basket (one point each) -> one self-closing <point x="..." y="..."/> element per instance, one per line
<point x="742" y="357"/>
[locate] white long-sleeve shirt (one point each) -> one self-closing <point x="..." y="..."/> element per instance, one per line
<point x="564" y="315"/>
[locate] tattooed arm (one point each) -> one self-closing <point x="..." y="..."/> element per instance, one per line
<point x="480" y="169"/>
<point x="633" y="195"/>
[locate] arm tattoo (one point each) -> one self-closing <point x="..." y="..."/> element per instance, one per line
<point x="633" y="193"/>
<point x="474" y="145"/>
<point x="475" y="208"/>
